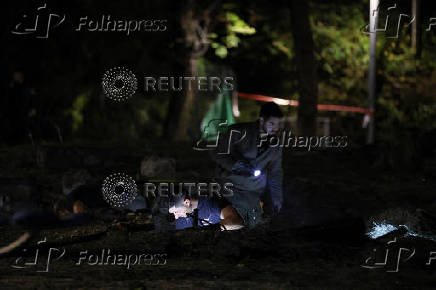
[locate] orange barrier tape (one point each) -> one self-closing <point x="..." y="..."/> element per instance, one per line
<point x="321" y="107"/>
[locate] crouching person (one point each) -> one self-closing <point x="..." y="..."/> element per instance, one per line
<point x="245" y="158"/>
<point x="209" y="212"/>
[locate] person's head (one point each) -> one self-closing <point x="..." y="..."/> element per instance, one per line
<point x="182" y="207"/>
<point x="61" y="206"/>
<point x="269" y="118"/>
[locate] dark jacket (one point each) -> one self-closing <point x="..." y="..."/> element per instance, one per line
<point x="240" y="142"/>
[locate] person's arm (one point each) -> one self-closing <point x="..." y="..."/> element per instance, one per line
<point x="225" y="154"/>
<point x="183" y="223"/>
<point x="275" y="181"/>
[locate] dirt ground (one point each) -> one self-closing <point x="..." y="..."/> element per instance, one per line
<point x="318" y="240"/>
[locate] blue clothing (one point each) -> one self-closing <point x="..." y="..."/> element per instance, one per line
<point x="207" y="209"/>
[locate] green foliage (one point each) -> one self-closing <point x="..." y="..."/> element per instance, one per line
<point x="234" y="26"/>
<point x="255" y="40"/>
<point x="341" y="53"/>
<point x="406" y="99"/>
<point x="407" y="96"/>
<point x="77" y="110"/>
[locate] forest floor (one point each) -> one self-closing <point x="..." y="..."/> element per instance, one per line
<point x="317" y="241"/>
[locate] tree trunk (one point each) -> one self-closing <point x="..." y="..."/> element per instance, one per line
<point x="194" y="22"/>
<point x="189" y="98"/>
<point x="304" y="57"/>
<point x="416" y="28"/>
<point x="175" y="103"/>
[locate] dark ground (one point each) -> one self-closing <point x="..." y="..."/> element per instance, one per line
<point x="318" y="240"/>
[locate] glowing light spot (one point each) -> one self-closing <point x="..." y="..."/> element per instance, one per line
<point x="256" y="172"/>
<point x="383" y="228"/>
<point x="380" y="229"/>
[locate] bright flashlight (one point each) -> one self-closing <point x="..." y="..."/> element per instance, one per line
<point x="256" y="172"/>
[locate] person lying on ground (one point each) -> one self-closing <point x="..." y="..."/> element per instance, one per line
<point x="89" y="198"/>
<point x="211" y="211"/>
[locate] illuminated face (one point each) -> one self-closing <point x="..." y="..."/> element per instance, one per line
<point x="182" y="209"/>
<point x="269" y="126"/>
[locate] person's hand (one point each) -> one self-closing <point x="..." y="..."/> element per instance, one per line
<point x="242" y="167"/>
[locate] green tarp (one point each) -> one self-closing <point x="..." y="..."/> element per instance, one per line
<point x="218" y="117"/>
